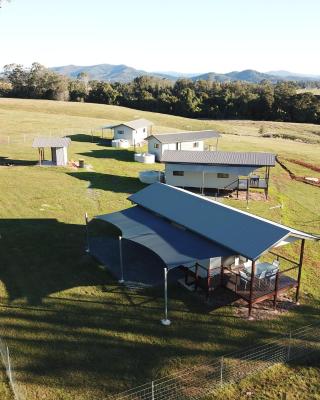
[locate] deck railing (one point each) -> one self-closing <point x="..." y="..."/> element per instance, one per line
<point x="261" y="287"/>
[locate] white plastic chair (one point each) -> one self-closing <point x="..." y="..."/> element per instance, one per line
<point x="245" y="278"/>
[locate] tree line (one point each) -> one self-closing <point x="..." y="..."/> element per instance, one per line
<point x="199" y="99"/>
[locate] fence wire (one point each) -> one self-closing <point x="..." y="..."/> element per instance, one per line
<point x="200" y="381"/>
<point x="8" y="365"/>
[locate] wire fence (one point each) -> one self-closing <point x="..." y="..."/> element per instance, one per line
<point x="78" y="134"/>
<point x="203" y="380"/>
<point x="10" y="372"/>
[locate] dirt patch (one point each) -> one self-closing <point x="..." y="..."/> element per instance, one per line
<point x="313" y="167"/>
<point x="265" y="310"/>
<point x="257" y="196"/>
<point x="307" y="180"/>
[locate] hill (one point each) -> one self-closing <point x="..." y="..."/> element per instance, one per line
<point x="107" y="72"/>
<point x="124" y="73"/>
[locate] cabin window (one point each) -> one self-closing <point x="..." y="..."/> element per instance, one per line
<point x="196" y="144"/>
<point x="120" y="132"/>
<point x="178" y="173"/>
<point x="144" y="129"/>
<point x="156" y="145"/>
<point x="221" y="175"/>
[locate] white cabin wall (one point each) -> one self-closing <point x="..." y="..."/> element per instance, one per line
<point x="190" y="146"/>
<point x="152" y="150"/>
<point x="126" y="135"/>
<point x="195" y="179"/>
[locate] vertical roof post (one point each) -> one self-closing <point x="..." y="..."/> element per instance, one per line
<point x="300" y="269"/>
<point x="253" y="272"/>
<point x="165" y="321"/>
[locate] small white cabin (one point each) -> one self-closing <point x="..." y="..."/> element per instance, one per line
<point x="194" y="141"/>
<point x="218" y="170"/>
<point x="135" y="132"/>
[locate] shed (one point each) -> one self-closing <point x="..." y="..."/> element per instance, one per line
<point x="221" y="170"/>
<point x="135" y="131"/>
<point x="58" y="147"/>
<point x="182" y="228"/>
<point x="193" y="140"/>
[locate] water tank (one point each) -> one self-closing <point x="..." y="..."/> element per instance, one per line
<point x="151" y="176"/>
<point x="122" y="143"/>
<point x="145" y="158"/>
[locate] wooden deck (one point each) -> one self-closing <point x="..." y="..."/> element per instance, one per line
<point x="260" y="183"/>
<point x="262" y="290"/>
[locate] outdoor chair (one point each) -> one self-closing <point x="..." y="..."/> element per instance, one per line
<point x="271" y="276"/>
<point x="276" y="263"/>
<point x="244" y="278"/>
<point x="262" y="276"/>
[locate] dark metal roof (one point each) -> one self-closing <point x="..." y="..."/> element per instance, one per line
<point x="184" y="136"/>
<point x="173" y="245"/>
<point x="241" y="232"/>
<point x="51" y="142"/>
<point x="219" y="157"/>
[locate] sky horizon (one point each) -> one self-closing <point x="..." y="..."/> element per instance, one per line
<point x="183" y="36"/>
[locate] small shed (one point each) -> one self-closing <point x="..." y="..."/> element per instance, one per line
<point x="135" y="132"/>
<point x="194" y="141"/>
<point x="58" y="147"/>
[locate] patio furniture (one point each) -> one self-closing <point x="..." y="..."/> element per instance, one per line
<point x="271" y="276"/>
<point x="245" y="278"/>
<point x="262" y="276"/>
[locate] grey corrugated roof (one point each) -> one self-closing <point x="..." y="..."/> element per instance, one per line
<point x="136" y="123"/>
<point x="184" y="136"/>
<point x="175" y="246"/>
<point x="218" y="157"/>
<point x="51" y="142"/>
<point x="245" y="234"/>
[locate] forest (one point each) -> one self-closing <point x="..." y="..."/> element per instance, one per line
<point x="184" y="97"/>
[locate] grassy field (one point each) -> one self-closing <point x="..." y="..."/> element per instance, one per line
<point x="310" y="90"/>
<point x="72" y="330"/>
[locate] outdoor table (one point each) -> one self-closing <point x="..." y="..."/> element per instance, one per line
<point x="260" y="267"/>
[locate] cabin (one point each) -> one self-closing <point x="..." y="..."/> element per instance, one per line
<point x="58" y="150"/>
<point x="194" y="141"/>
<point x="215" y="245"/>
<point x="219" y="170"/>
<point x="135" y="132"/>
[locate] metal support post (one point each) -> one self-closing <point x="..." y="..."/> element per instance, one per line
<point x="121" y="260"/>
<point x="166" y="321"/>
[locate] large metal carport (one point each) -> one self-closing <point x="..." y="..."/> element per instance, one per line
<point x="174" y="244"/>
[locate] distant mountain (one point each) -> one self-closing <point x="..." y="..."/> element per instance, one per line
<point x="287" y="75"/>
<point x="124" y="73"/>
<point x="106" y="72"/>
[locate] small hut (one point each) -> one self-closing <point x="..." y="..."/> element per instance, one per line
<point x="58" y="147"/>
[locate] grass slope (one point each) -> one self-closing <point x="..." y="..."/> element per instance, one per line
<point x="72" y="330"/>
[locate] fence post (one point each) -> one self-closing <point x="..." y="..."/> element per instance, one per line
<point x="9" y="365"/>
<point x="289" y="346"/>
<point x="152" y="390"/>
<point x="221" y="370"/>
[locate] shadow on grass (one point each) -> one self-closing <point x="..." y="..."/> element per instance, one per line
<point x="6" y="161"/>
<point x="111" y="183"/>
<point x="86" y="138"/>
<point x="40" y="257"/>
<point x="92" y="344"/>
<point x="120" y="155"/>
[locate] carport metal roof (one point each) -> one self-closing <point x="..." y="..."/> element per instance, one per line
<point x="173" y="244"/>
<point x="241" y="232"/>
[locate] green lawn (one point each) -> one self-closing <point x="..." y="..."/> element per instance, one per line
<point x="72" y="330"/>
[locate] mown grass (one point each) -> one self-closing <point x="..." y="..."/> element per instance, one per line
<point x="72" y="330"/>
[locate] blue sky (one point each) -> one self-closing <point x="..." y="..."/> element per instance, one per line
<point x="176" y="35"/>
